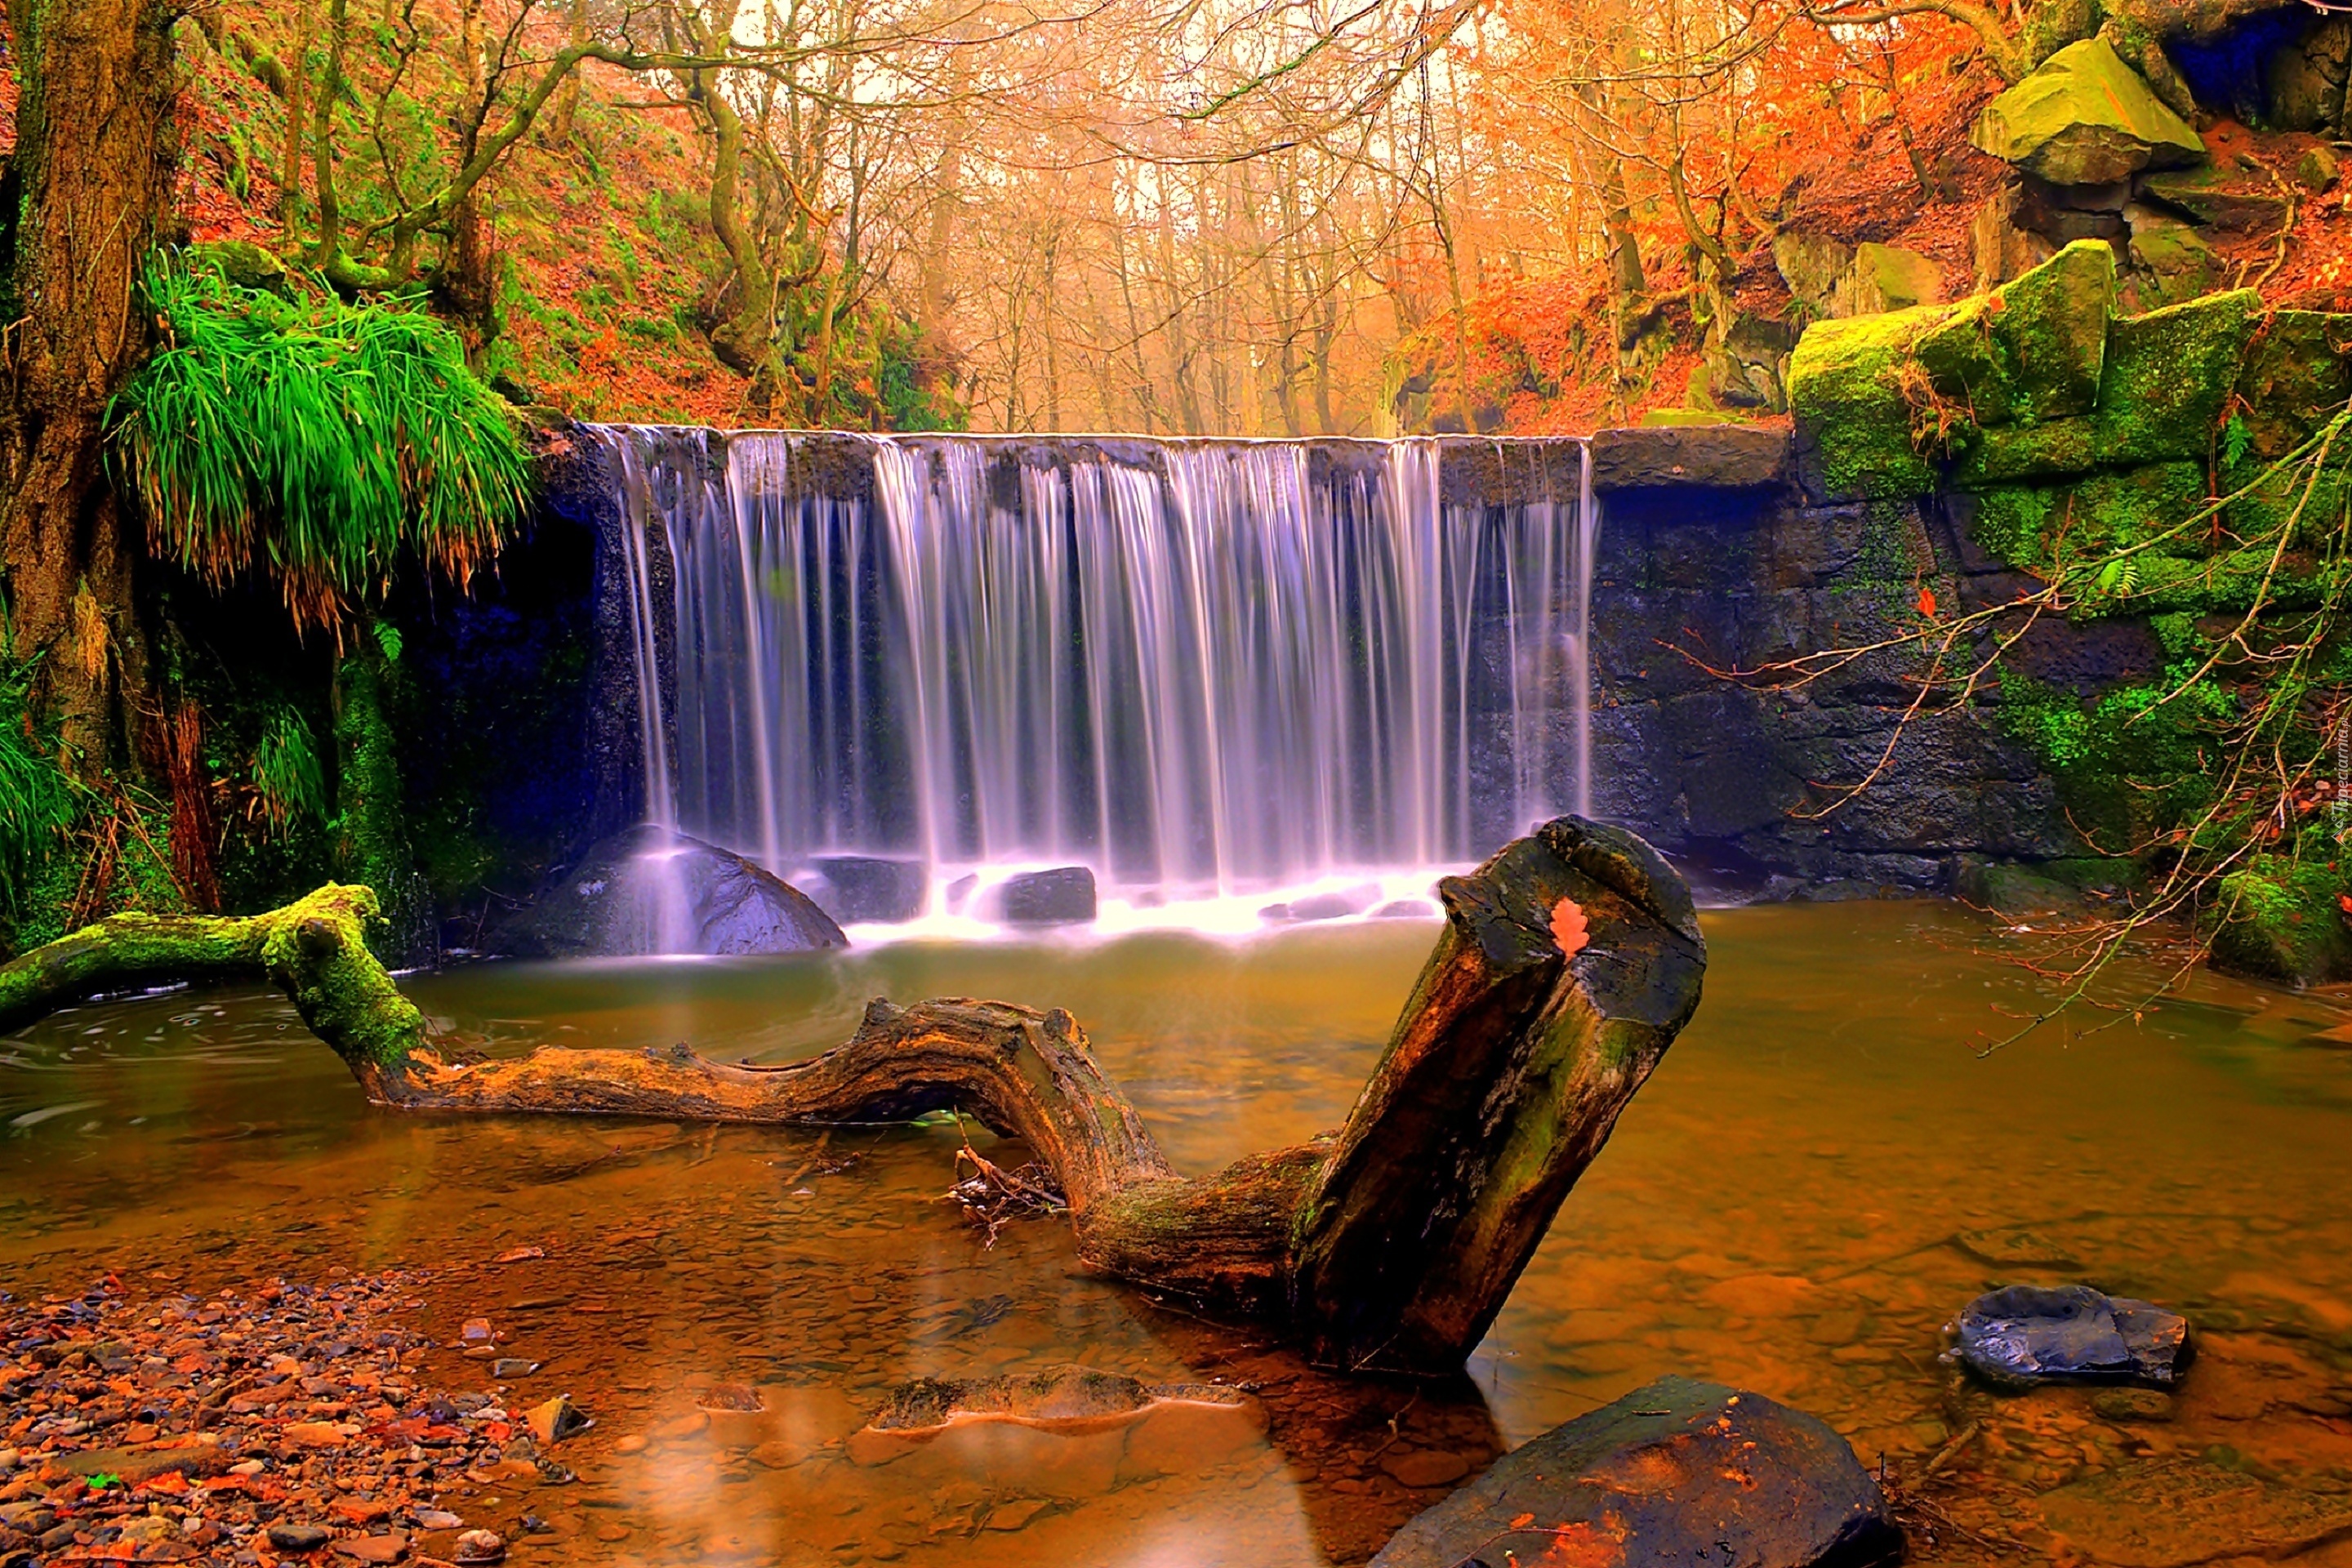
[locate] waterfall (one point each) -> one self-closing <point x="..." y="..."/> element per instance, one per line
<point x="1205" y="670"/>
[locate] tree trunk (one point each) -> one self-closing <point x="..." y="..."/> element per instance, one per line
<point x="1568" y="962"/>
<point x="92" y="174"/>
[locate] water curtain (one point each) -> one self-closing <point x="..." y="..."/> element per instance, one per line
<point x="1200" y="668"/>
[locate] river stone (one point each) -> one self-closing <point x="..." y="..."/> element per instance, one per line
<point x="1680" y="1472"/>
<point x="862" y="888"/>
<point x="1063" y="896"/>
<point x="2086" y="118"/>
<point x="611" y="905"/>
<point x="2023" y="1335"/>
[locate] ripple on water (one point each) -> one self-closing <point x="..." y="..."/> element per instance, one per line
<point x="1821" y="1173"/>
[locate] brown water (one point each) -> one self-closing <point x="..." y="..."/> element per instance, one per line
<point x="1818" y="1175"/>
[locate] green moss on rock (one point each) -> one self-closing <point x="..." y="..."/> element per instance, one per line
<point x="2295" y="372"/>
<point x="2279" y="920"/>
<point x="1853" y="421"/>
<point x="2051" y="328"/>
<point x="2025" y="454"/>
<point x="2168" y="377"/>
<point x="2086" y="118"/>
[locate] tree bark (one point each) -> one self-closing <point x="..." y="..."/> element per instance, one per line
<point x="92" y="174"/>
<point x="1568" y="962"/>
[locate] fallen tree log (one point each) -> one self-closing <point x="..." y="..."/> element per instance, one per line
<point x="1567" y="963"/>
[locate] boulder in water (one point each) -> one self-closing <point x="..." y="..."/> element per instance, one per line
<point x="653" y="890"/>
<point x="1062" y="896"/>
<point x="2023" y="1335"/>
<point x="1324" y="906"/>
<point x="1680" y="1472"/>
<point x="863" y="888"/>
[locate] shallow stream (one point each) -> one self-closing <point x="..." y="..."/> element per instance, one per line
<point x="1822" y="1172"/>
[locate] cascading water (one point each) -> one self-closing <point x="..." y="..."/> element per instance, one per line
<point x="1206" y="670"/>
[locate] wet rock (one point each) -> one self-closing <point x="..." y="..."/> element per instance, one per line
<point x="1425" y="1467"/>
<point x="1680" y="1472"/>
<point x="991" y="1415"/>
<point x="478" y="1547"/>
<point x="1054" y="1393"/>
<point x="374" y="1547"/>
<point x="1063" y="896"/>
<point x="436" y="1518"/>
<point x="556" y="1419"/>
<point x="2027" y="1334"/>
<point x="1716" y="456"/>
<point x="506" y="1368"/>
<point x="296" y="1538"/>
<point x="651" y="890"/>
<point x="862" y="888"/>
<point x="1407" y="910"/>
<point x="1323" y="906"/>
<point x="2175" y="1511"/>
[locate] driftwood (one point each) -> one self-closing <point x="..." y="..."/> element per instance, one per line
<point x="1386" y="1245"/>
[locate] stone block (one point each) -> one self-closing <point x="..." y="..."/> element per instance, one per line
<point x="2086" y="118"/>
<point x="1714" y="454"/>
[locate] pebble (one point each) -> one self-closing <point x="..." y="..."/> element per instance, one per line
<point x="306" y="1397"/>
<point x="297" y="1537"/>
<point x="479" y="1546"/>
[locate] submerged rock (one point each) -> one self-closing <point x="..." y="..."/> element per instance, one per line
<point x="653" y="889"/>
<point x="2028" y="1334"/>
<point x="1063" y="1431"/>
<point x="1062" y="896"/>
<point x="1680" y="1472"/>
<point x="862" y="888"/>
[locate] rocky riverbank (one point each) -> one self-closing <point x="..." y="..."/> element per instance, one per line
<point x="285" y="1421"/>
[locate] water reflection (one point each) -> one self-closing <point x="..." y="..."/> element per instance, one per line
<point x="1817" y="1177"/>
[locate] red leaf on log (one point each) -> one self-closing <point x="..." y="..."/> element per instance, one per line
<point x="1567" y="927"/>
<point x="1927" y="603"/>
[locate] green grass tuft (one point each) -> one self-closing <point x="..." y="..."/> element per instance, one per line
<point x="37" y="807"/>
<point x="314" y="441"/>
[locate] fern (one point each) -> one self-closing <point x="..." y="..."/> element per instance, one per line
<point x="2236" y="436"/>
<point x="288" y="779"/>
<point x="37" y="806"/>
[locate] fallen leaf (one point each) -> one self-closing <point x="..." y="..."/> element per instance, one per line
<point x="1568" y="927"/>
<point x="1927" y="602"/>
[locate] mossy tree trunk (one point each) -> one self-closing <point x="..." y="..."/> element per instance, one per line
<point x="1568" y="962"/>
<point x="86" y="191"/>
